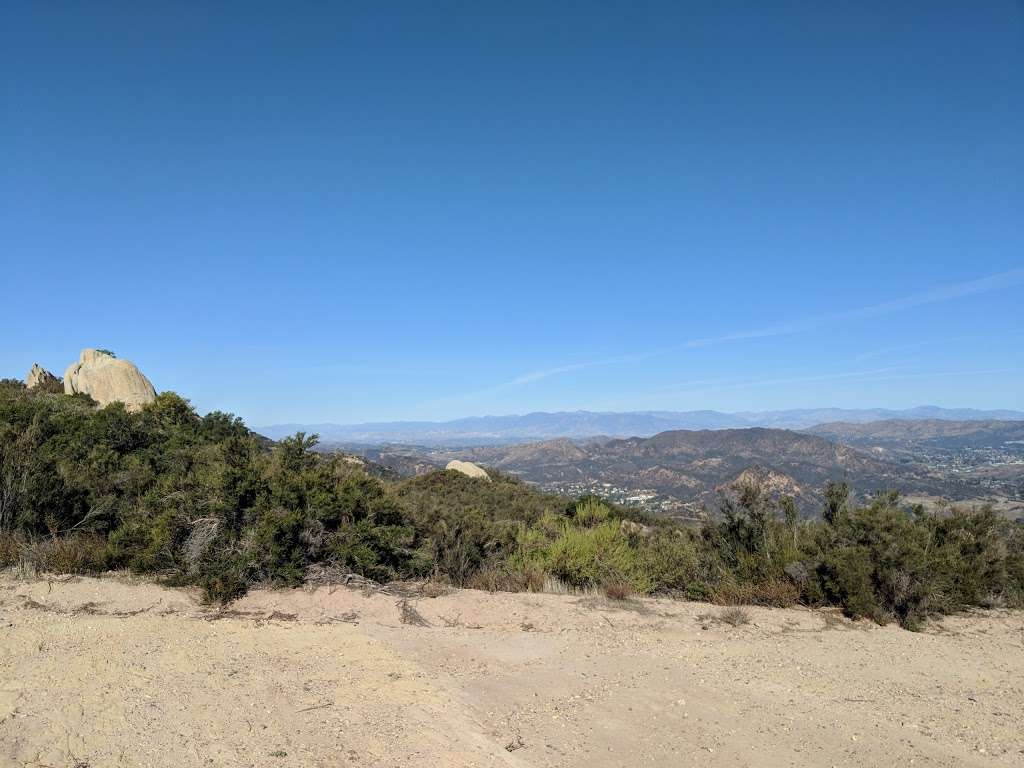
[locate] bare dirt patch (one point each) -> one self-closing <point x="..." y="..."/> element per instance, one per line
<point x="103" y="672"/>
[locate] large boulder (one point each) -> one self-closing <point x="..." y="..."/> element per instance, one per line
<point x="40" y="377"/>
<point x="107" y="380"/>
<point x="469" y="469"/>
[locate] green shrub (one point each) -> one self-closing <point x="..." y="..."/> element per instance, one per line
<point x="223" y="582"/>
<point x="200" y="500"/>
<point x="586" y="558"/>
<point x="590" y="512"/>
<point x="125" y="544"/>
<point x="672" y="562"/>
<point x="279" y="547"/>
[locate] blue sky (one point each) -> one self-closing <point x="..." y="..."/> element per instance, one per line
<point x="352" y="211"/>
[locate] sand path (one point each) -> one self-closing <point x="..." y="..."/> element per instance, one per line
<point x="103" y="672"/>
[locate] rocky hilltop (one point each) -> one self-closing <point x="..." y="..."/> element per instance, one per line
<point x="469" y="469"/>
<point x="106" y="379"/>
<point x="40" y="377"/>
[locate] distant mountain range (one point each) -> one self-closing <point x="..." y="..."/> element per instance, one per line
<point x="485" y="430"/>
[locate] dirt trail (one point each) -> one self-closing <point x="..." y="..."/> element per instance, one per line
<point x="102" y="672"/>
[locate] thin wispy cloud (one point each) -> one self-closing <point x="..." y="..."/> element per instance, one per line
<point x="989" y="283"/>
<point x="876" y="375"/>
<point x="945" y="374"/>
<point x="357" y="369"/>
<point x="747" y="383"/>
<point x="940" y="294"/>
<point x="737" y="382"/>
<point x="532" y="376"/>
<point x="883" y="351"/>
<point x="523" y="379"/>
<point x="701" y="386"/>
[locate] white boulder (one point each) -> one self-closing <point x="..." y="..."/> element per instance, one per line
<point x="107" y="379"/>
<point x="469" y="469"/>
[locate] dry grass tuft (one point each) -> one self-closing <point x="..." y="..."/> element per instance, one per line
<point x="617" y="590"/>
<point x="408" y="614"/>
<point x="734" y="617"/>
<point x="498" y="579"/>
<point x="10" y="551"/>
<point x="81" y="553"/>
<point x="199" y="541"/>
<point x="555" y="586"/>
<point x="833" y="621"/>
<point x="774" y="593"/>
<point x="434" y="588"/>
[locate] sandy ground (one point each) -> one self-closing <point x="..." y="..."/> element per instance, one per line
<point x="103" y="672"/>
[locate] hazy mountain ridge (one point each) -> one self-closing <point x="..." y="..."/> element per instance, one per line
<point x="578" y="424"/>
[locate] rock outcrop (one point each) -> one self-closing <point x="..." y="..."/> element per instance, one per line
<point x="40" y="377"/>
<point x="632" y="528"/>
<point x="107" y="380"/>
<point x="469" y="469"/>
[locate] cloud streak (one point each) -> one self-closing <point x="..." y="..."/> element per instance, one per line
<point x="938" y="295"/>
<point x="699" y="386"/>
<point x="878" y="374"/>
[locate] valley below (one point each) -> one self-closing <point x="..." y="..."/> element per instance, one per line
<point x="684" y="473"/>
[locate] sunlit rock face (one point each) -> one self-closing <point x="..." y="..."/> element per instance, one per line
<point x="468" y="468"/>
<point x="106" y="379"/>
<point x="39" y="377"/>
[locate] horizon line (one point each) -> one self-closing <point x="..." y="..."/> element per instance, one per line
<point x="647" y="412"/>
